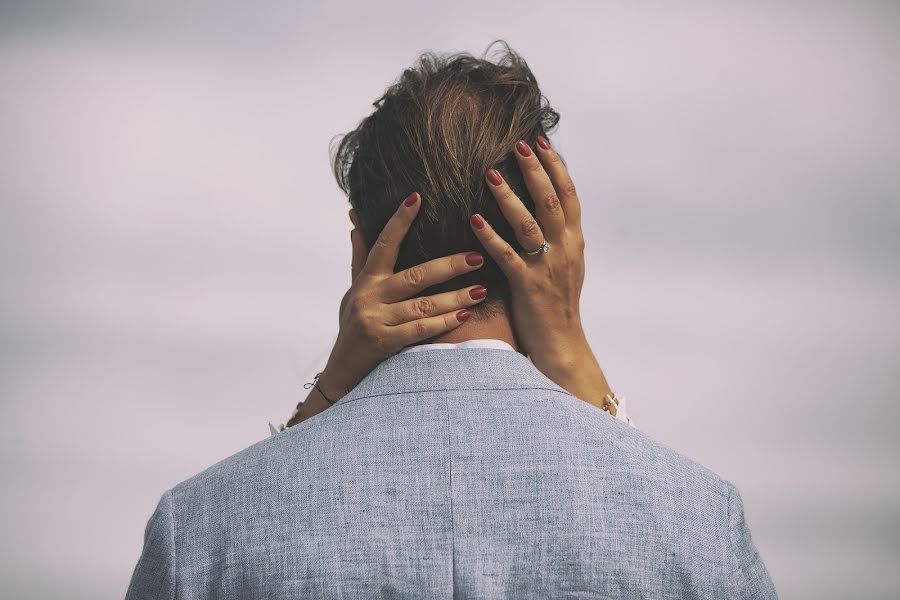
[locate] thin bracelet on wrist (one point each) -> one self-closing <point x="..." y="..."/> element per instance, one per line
<point x="612" y="400"/>
<point x="314" y="383"/>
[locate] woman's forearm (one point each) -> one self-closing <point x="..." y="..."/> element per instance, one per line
<point x="313" y="405"/>
<point x="575" y="368"/>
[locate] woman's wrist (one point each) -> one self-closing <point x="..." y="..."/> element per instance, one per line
<point x="571" y="364"/>
<point x="322" y="395"/>
<point x="563" y="355"/>
<point x="334" y="382"/>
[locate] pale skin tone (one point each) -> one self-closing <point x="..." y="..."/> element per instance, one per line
<point x="378" y="318"/>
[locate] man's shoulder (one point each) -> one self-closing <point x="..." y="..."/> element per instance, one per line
<point x="269" y="459"/>
<point x="636" y="454"/>
<point x="593" y="438"/>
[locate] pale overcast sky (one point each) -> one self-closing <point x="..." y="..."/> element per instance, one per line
<point x="173" y="249"/>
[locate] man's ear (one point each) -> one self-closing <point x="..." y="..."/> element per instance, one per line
<point x="354" y="218"/>
<point x="359" y="251"/>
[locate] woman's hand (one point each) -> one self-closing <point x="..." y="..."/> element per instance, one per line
<point x="546" y="287"/>
<point x="377" y="316"/>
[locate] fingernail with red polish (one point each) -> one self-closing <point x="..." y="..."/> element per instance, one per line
<point x="493" y="176"/>
<point x="522" y="148"/>
<point x="478" y="293"/>
<point x="473" y="259"/>
<point x="543" y="142"/>
<point x="477" y="221"/>
<point x="463" y="315"/>
<point x="411" y="199"/>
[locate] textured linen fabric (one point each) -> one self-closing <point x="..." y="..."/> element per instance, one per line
<point x="473" y="343"/>
<point x="460" y="473"/>
<point x="621" y="404"/>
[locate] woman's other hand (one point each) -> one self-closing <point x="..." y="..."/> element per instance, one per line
<point x="378" y="316"/>
<point x="546" y="287"/>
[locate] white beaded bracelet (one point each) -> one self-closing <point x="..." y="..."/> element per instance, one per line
<point x="619" y="403"/>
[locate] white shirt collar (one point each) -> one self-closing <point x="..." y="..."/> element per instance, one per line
<point x="480" y="343"/>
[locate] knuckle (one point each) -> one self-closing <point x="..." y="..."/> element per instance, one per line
<point x="533" y="165"/>
<point x="356" y="304"/>
<point x="529" y="227"/>
<point x="383" y="345"/>
<point x="367" y="333"/>
<point x="508" y="256"/>
<point x="507" y="196"/>
<point x="551" y="203"/>
<point x="568" y="188"/>
<point x="415" y="275"/>
<point x="383" y="240"/>
<point x="422" y="329"/>
<point x="424" y="306"/>
<point x="367" y="325"/>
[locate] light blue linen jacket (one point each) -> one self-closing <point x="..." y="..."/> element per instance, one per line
<point x="459" y="473"/>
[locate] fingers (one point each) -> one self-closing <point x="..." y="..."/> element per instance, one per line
<point x="527" y="230"/>
<point x="409" y="282"/>
<point x="360" y="253"/>
<point x="503" y="254"/>
<point x="383" y="255"/>
<point x="438" y="304"/>
<point x="422" y="329"/>
<point x="547" y="203"/>
<point x="562" y="182"/>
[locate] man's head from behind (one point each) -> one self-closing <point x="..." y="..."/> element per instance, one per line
<point x="437" y="130"/>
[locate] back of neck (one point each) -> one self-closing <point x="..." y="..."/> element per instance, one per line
<point x="478" y="327"/>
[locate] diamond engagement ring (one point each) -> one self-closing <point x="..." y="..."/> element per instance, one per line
<point x="543" y="249"/>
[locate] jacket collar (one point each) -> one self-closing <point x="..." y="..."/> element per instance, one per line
<point x="451" y="369"/>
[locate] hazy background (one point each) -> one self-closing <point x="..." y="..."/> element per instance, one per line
<point x="173" y="249"/>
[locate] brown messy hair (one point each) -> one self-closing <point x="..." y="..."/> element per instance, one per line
<point x="437" y="130"/>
